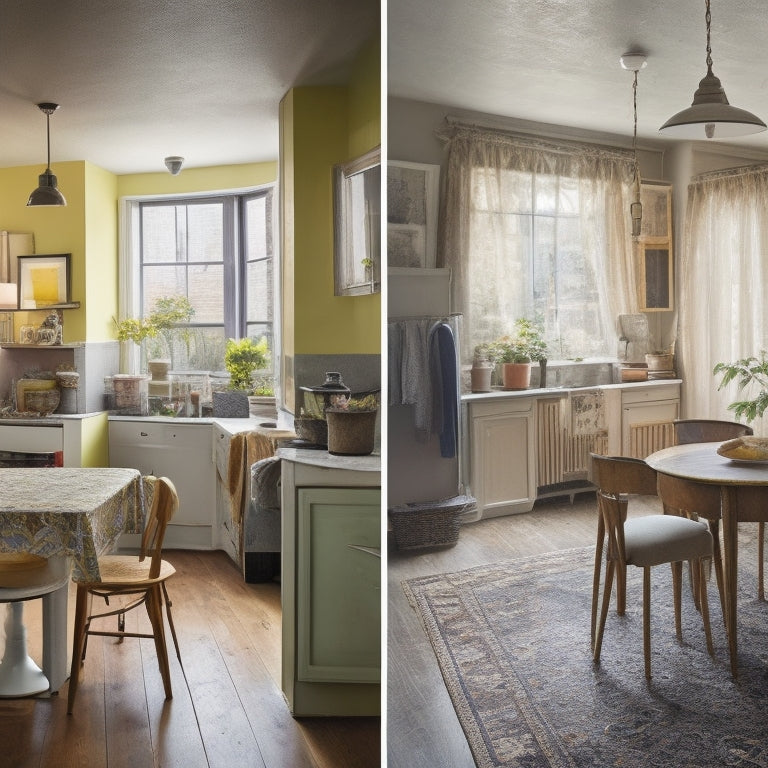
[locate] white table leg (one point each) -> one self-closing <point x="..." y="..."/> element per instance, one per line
<point x="19" y="675"/>
<point x="55" y="637"/>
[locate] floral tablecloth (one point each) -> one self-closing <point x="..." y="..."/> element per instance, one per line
<point x="66" y="510"/>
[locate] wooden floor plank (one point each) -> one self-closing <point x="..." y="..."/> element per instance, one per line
<point x="227" y="707"/>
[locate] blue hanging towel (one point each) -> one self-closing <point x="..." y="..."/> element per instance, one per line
<point x="442" y="346"/>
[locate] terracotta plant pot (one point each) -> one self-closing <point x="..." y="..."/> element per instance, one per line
<point x="516" y="375"/>
<point x="351" y="433"/>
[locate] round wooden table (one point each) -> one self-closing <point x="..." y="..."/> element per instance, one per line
<point x="743" y="497"/>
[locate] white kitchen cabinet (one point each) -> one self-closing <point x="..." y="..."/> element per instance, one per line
<point x="226" y="531"/>
<point x="181" y="452"/>
<point x="503" y="454"/>
<point x="331" y="583"/>
<point x="647" y="419"/>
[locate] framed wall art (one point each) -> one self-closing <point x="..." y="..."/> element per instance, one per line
<point x="44" y="280"/>
<point x="412" y="202"/>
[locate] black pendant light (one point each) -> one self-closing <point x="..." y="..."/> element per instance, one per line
<point x="47" y="193"/>
<point x="710" y="116"/>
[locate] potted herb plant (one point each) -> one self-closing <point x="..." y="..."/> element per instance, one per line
<point x="516" y="352"/>
<point x="352" y="425"/>
<point x="242" y="358"/>
<point x="750" y="373"/>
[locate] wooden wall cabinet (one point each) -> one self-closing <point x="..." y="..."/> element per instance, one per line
<point x="653" y="249"/>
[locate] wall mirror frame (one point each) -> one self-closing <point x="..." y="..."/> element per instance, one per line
<point x="357" y="225"/>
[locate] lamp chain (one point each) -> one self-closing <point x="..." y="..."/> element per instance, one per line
<point x="708" y="19"/>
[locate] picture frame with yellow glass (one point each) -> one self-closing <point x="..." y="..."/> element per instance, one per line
<point x="44" y="280"/>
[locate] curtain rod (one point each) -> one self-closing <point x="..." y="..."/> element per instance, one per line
<point x="548" y="140"/>
<point x="731" y="173"/>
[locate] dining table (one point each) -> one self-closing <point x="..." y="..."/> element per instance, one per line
<point x="743" y="498"/>
<point x="72" y="513"/>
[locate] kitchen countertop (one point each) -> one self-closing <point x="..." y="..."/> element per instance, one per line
<point x="564" y="391"/>
<point x="321" y="458"/>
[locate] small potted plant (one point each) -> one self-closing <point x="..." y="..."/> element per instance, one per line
<point x="516" y="352"/>
<point x="352" y="425"/>
<point x="749" y="372"/>
<point x="482" y="368"/>
<point x="242" y="358"/>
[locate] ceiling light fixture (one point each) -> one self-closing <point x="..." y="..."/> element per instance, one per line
<point x="173" y="164"/>
<point x="46" y="192"/>
<point x="710" y="116"/>
<point x="634" y="62"/>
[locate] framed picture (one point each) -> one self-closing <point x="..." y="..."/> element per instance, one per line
<point x="412" y="199"/>
<point x="44" y="281"/>
<point x="656" y="278"/>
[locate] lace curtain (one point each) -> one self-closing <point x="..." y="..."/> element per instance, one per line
<point x="724" y="285"/>
<point x="491" y="174"/>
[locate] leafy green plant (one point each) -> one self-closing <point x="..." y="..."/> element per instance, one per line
<point x="366" y="403"/>
<point x="525" y="345"/>
<point x="167" y="312"/>
<point x="242" y="357"/>
<point x="749" y="372"/>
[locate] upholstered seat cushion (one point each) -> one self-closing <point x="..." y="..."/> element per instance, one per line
<point x="657" y="539"/>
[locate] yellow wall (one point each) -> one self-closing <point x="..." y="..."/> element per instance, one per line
<point x="328" y="125"/>
<point x="56" y="230"/>
<point x="191" y="180"/>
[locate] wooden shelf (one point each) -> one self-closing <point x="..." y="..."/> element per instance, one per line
<point x="69" y="305"/>
<point x="14" y="345"/>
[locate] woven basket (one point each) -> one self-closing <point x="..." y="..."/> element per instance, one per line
<point x="431" y="523"/>
<point x="42" y="401"/>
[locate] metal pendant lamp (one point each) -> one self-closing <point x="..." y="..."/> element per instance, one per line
<point x="47" y="192"/>
<point x="634" y="62"/>
<point x="710" y="116"/>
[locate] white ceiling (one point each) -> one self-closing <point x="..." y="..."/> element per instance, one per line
<point x="557" y="61"/>
<point x="138" y="80"/>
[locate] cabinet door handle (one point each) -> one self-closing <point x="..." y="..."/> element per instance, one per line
<point x="144" y="434"/>
<point x="375" y="551"/>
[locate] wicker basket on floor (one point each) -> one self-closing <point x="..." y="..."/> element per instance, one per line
<point x="429" y="523"/>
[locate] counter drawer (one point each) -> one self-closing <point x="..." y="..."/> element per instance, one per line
<point x="31" y="439"/>
<point x="503" y="406"/>
<point x="650" y="394"/>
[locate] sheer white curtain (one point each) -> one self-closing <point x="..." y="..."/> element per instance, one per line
<point x="128" y="302"/>
<point x="492" y="175"/>
<point x="724" y="285"/>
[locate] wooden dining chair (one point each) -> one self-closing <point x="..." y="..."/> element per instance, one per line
<point x="619" y="477"/>
<point x="141" y="578"/>
<point x="644" y="542"/>
<point x="714" y="431"/>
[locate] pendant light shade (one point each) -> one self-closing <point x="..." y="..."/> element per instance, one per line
<point x="710" y="116"/>
<point x="47" y="192"/>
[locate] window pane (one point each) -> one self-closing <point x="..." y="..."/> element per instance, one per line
<point x="159" y="281"/>
<point x="259" y="291"/>
<point x="206" y="292"/>
<point x="205" y="232"/>
<point x="159" y="234"/>
<point x="257" y="243"/>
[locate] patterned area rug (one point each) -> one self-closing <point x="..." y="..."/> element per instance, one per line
<point x="512" y="641"/>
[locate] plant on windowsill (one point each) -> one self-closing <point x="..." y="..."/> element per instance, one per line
<point x="242" y="358"/>
<point x="352" y="426"/>
<point x="749" y="372"/>
<point x="516" y="352"/>
<point x="162" y="323"/>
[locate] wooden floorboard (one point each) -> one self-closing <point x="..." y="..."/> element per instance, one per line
<point x="422" y="728"/>
<point x="227" y="709"/>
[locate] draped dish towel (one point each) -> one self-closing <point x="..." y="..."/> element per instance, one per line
<point x="245" y="449"/>
<point x="423" y="373"/>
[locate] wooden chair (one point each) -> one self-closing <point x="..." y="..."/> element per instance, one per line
<point x="617" y="476"/>
<point x="714" y="431"/>
<point x="141" y="577"/>
<point x="644" y="542"/>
